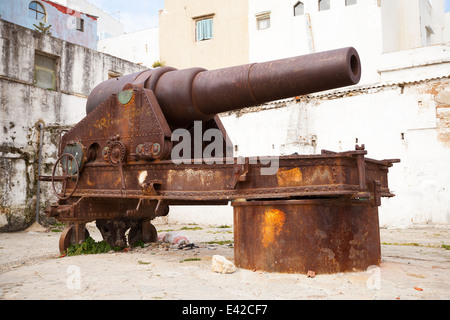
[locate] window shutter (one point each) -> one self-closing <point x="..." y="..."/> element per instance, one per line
<point x="199" y="31"/>
<point x="208" y="29"/>
<point x="204" y="29"/>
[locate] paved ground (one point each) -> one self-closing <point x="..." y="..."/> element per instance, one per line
<point x="415" y="266"/>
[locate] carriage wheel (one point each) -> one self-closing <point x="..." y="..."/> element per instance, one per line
<point x="66" y="168"/>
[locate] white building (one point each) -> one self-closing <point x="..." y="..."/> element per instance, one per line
<point x="107" y="25"/>
<point x="279" y="29"/>
<point x="140" y="47"/>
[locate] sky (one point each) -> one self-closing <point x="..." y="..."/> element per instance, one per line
<point x="135" y="15"/>
<point x="143" y="14"/>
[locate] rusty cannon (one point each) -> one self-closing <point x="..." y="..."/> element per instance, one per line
<point x="133" y="157"/>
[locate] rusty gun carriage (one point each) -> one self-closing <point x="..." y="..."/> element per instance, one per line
<point x="122" y="167"/>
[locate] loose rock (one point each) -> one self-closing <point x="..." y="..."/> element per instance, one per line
<point x="220" y="264"/>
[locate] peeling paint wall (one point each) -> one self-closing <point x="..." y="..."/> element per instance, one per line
<point x="61" y="18"/>
<point x="23" y="105"/>
<point x="107" y="24"/>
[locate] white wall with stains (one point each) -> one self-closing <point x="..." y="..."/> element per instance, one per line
<point x="23" y="105"/>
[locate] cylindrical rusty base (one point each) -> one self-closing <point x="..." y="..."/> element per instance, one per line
<point x="297" y="236"/>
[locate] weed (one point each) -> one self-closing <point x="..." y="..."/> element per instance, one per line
<point x="190" y="259"/>
<point x="89" y="246"/>
<point x="221" y="242"/>
<point x="138" y="243"/>
<point x="192" y="229"/>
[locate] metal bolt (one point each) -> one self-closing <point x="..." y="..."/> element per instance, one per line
<point x="156" y="149"/>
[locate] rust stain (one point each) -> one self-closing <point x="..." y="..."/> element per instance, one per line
<point x="321" y="175"/>
<point x="89" y="182"/>
<point x="186" y="179"/>
<point x="443" y="122"/>
<point x="273" y="225"/>
<point x="101" y="123"/>
<point x="289" y="178"/>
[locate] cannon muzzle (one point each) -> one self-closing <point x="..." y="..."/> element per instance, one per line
<point x="197" y="94"/>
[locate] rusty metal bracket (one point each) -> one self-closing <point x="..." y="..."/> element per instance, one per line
<point x="361" y="163"/>
<point x="240" y="171"/>
<point x="149" y="209"/>
<point x="162" y="209"/>
<point x="376" y="189"/>
<point x="151" y="188"/>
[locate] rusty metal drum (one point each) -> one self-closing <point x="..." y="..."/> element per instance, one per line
<point x="325" y="236"/>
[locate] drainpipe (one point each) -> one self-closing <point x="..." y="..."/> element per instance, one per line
<point x="41" y="134"/>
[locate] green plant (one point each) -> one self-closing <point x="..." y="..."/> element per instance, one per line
<point x="190" y="259"/>
<point x="158" y="64"/>
<point x="89" y="246"/>
<point x="138" y="243"/>
<point x="221" y="242"/>
<point x="42" y="28"/>
<point x="192" y="229"/>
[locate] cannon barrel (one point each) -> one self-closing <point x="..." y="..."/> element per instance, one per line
<point x="195" y="94"/>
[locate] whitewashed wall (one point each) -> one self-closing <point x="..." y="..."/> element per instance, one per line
<point x="140" y="47"/>
<point x="22" y="106"/>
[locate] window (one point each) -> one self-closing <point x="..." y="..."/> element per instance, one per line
<point x="204" y="29"/>
<point x="350" y="2"/>
<point x="324" y="5"/>
<point x="45" y="71"/>
<point x="37" y="11"/>
<point x="80" y="24"/>
<point x="299" y="9"/>
<point x="263" y="20"/>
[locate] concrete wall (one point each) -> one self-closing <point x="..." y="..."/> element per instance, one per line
<point x="22" y="106"/>
<point x="61" y="18"/>
<point x="447" y="27"/>
<point x="141" y="47"/>
<point x="229" y="45"/>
